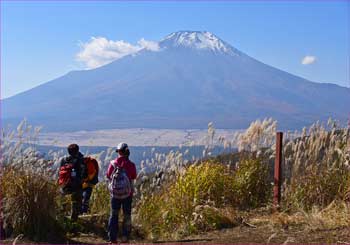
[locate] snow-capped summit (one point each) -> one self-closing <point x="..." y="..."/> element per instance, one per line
<point x="198" y="40"/>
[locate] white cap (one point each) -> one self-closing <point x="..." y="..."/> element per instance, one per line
<point x="122" y="146"/>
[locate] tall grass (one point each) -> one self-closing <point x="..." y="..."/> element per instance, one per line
<point x="183" y="206"/>
<point x="28" y="190"/>
<point x="100" y="199"/>
<point x="316" y="167"/>
<point x="176" y="197"/>
<point x="195" y="200"/>
<point x="29" y="204"/>
<point x="179" y="197"/>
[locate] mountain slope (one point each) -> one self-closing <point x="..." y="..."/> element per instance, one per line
<point x="194" y="78"/>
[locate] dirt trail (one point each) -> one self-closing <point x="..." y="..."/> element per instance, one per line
<point x="242" y="234"/>
<point x="262" y="234"/>
<point x="258" y="231"/>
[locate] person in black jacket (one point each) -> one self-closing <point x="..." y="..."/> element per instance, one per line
<point x="78" y="173"/>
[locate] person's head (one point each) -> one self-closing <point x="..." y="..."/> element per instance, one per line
<point x="73" y="149"/>
<point x="123" y="149"/>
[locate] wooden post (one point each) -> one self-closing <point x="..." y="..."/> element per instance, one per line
<point x="278" y="168"/>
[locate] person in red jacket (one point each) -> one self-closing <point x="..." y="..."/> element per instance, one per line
<point x="122" y="161"/>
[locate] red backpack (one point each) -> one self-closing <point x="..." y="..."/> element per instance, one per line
<point x="66" y="178"/>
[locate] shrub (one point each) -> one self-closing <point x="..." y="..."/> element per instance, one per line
<point x="251" y="186"/>
<point x="100" y="199"/>
<point x="205" y="182"/>
<point x="176" y="209"/>
<point x="149" y="215"/>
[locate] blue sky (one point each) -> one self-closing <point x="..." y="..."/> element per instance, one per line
<point x="41" y="40"/>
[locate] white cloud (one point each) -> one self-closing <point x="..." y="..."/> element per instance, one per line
<point x="150" y="45"/>
<point x="308" y="60"/>
<point x="100" y="51"/>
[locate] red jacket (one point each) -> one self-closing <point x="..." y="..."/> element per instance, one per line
<point x="124" y="163"/>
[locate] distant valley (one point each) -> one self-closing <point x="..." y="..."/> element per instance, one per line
<point x="134" y="137"/>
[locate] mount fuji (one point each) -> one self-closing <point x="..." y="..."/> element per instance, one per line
<point x="192" y="79"/>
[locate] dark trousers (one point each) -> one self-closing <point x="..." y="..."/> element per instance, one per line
<point x="116" y="204"/>
<point x="86" y="198"/>
<point x="76" y="204"/>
